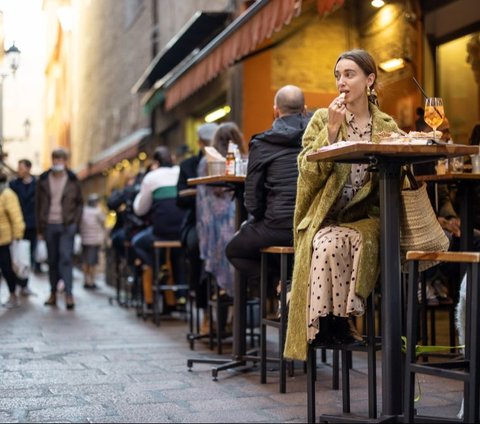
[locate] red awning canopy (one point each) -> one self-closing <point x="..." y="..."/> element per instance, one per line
<point x="241" y="37"/>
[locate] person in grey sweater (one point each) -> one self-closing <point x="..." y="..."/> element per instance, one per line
<point x="92" y="232"/>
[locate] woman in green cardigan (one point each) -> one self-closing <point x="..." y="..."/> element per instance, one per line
<point x="337" y="214"/>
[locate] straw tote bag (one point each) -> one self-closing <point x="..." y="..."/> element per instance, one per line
<point x="419" y="226"/>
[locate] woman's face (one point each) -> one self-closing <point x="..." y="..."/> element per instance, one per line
<point x="351" y="80"/>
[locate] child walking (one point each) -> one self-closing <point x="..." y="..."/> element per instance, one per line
<point x="92" y="231"/>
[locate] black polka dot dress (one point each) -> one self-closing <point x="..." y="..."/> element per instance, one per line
<point x="336" y="252"/>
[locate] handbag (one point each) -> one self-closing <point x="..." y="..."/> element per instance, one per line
<point x="419" y="226"/>
<point x="20" y="254"/>
<point x="41" y="254"/>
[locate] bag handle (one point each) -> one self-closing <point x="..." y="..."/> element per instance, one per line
<point x="408" y="173"/>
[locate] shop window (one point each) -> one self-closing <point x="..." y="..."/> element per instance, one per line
<point x="459" y="84"/>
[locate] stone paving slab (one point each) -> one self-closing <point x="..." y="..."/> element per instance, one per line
<point x="100" y="363"/>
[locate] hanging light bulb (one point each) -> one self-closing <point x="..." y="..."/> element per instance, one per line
<point x="377" y="3"/>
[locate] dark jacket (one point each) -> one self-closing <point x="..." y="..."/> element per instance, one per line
<point x="26" y="195"/>
<point x="72" y="201"/>
<point x="188" y="169"/>
<point x="271" y="182"/>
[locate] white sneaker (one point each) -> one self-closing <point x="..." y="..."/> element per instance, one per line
<point x="12" y="302"/>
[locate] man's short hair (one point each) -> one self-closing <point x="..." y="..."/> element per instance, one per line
<point x="163" y="156"/>
<point x="59" y="154"/>
<point x="25" y="162"/>
<point x="206" y="131"/>
<point x="289" y="100"/>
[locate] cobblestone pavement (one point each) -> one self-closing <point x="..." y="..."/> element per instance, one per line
<point x="100" y="363"/>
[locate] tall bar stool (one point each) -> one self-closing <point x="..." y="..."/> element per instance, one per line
<point x="125" y="278"/>
<point x="465" y="370"/>
<point x="164" y="287"/>
<point x="429" y="313"/>
<point x="281" y="324"/>
<point x="371" y="346"/>
<point x="218" y="306"/>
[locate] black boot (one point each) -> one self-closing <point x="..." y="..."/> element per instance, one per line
<point x="345" y="332"/>
<point x="324" y="335"/>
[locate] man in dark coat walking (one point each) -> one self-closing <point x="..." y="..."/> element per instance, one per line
<point x="58" y="208"/>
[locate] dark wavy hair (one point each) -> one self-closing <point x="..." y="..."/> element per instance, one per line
<point x="366" y="63"/>
<point x="475" y="136"/>
<point x="228" y="131"/>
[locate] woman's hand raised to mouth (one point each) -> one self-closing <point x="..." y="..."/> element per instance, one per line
<point x="336" y="114"/>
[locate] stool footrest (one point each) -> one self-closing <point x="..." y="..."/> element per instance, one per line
<point x="167" y="243"/>
<point x="435" y="370"/>
<point x="271" y="323"/>
<point x="173" y="287"/>
<point x="279" y="249"/>
<point x="466" y="257"/>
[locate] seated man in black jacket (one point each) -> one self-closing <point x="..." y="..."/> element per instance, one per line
<point x="271" y="184"/>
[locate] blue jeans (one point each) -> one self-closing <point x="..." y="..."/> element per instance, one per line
<point x="142" y="243"/>
<point x="59" y="239"/>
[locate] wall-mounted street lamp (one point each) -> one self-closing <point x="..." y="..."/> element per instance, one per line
<point x="12" y="55"/>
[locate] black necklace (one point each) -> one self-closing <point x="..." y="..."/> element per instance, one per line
<point x="366" y="132"/>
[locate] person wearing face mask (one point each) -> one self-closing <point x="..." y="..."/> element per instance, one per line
<point x="12" y="227"/>
<point x="336" y="218"/>
<point x="58" y="207"/>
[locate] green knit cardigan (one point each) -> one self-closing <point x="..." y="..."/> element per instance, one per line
<point x="319" y="185"/>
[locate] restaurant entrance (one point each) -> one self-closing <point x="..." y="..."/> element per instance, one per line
<point x="458" y="70"/>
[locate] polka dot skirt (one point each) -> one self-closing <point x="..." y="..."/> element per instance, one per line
<point x="333" y="275"/>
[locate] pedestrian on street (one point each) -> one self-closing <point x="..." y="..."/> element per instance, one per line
<point x="12" y="227"/>
<point x="24" y="186"/>
<point x="92" y="232"/>
<point x="58" y="207"/>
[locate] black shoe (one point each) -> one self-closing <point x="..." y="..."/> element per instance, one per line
<point x="346" y="333"/>
<point x="52" y="300"/>
<point x="324" y="336"/>
<point x="90" y="286"/>
<point x="69" y="302"/>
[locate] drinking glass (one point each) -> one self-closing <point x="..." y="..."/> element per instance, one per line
<point x="434" y="113"/>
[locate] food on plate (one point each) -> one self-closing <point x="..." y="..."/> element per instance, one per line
<point x="412" y="135"/>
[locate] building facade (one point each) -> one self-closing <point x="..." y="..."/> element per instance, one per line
<point x="129" y="75"/>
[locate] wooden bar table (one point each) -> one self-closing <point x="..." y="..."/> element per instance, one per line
<point x="240" y="355"/>
<point x="387" y="159"/>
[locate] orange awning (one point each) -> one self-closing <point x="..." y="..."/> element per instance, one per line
<point x="240" y="38"/>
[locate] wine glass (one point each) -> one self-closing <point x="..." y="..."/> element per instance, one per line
<point x="434" y="113"/>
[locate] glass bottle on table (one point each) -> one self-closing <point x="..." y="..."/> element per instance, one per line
<point x="434" y="113"/>
<point x="230" y="159"/>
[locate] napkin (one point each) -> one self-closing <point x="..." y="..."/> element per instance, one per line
<point x="213" y="155"/>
